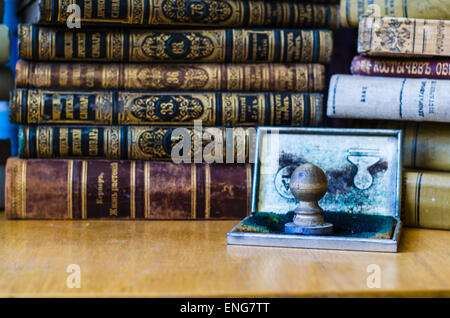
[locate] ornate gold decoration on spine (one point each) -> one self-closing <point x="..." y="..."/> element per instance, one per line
<point x="147" y="189"/>
<point x="207" y="191"/>
<point x="69" y="189"/>
<point x="193" y="191"/>
<point x="25" y="41"/>
<point x="133" y="189"/>
<point x="84" y="166"/>
<point x="248" y="45"/>
<point x="112" y="142"/>
<point x="23" y="188"/>
<point x="277" y="77"/>
<point x="44" y="142"/>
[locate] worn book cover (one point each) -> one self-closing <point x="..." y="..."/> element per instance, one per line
<point x="42" y="106"/>
<point x="426" y="196"/>
<point x="351" y="10"/>
<point x="203" y="13"/>
<point x="387" y="36"/>
<point x="373" y="97"/>
<point x="391" y="67"/>
<point x="277" y="77"/>
<point x="187" y="46"/>
<point x="111" y="189"/>
<point x="187" y="144"/>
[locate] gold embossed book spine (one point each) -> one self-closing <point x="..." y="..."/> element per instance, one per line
<point x="276" y="77"/>
<point x="127" y="190"/>
<point x="158" y="143"/>
<point x="426" y="196"/>
<point x="188" y="46"/>
<point x="204" y="13"/>
<point x="40" y="106"/>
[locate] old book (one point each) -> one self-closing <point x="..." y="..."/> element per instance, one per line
<point x="426" y="196"/>
<point x="422" y="68"/>
<point x="35" y="106"/>
<point x="351" y="10"/>
<point x="105" y="189"/>
<point x="275" y="77"/>
<point x="6" y="82"/>
<point x="386" y="36"/>
<point x="187" y="144"/>
<point x="425" y="145"/>
<point x="5" y="45"/>
<point x="373" y="97"/>
<point x="212" y="13"/>
<point x="196" y="45"/>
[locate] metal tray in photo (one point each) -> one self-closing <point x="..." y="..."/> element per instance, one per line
<point x="363" y="169"/>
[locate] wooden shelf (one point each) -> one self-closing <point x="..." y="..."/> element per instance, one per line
<point x="191" y="258"/>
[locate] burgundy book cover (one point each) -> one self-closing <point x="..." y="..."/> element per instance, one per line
<point x="429" y="68"/>
<point x="125" y="189"/>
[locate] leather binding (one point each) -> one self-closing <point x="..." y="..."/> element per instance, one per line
<point x="187" y="46"/>
<point x="137" y="143"/>
<point x="41" y="106"/>
<point x="275" y="77"/>
<point x="425" y="68"/>
<point x="104" y="189"/>
<point x="212" y="13"/>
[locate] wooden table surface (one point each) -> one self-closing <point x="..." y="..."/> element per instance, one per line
<point x="191" y="258"/>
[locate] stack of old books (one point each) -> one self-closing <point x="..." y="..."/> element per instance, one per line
<point x="140" y="80"/>
<point x="401" y="80"/>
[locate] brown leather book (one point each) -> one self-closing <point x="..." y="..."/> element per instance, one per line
<point x="276" y="77"/>
<point x="115" y="189"/>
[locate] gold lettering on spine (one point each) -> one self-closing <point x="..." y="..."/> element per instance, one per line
<point x="23" y="187"/>
<point x="207" y="191"/>
<point x="63" y="142"/>
<point x="69" y="188"/>
<point x="81" y="45"/>
<point x="146" y="189"/>
<point x="44" y="139"/>
<point x="193" y="191"/>
<point x="133" y="189"/>
<point x="93" y="142"/>
<point x="84" y="166"/>
<point x="76" y="142"/>
<point x="113" y="211"/>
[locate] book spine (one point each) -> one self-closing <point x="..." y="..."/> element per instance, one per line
<point x="225" y="13"/>
<point x="385" y="36"/>
<point x="36" y="106"/>
<point x="351" y="10"/>
<point x="434" y="69"/>
<point x="143" y="45"/>
<point x="184" y="77"/>
<point x="5" y="44"/>
<point x="425" y="145"/>
<point x="103" y="189"/>
<point x="426" y="198"/>
<point x="370" y="97"/>
<point x="189" y="144"/>
<point x="6" y="82"/>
